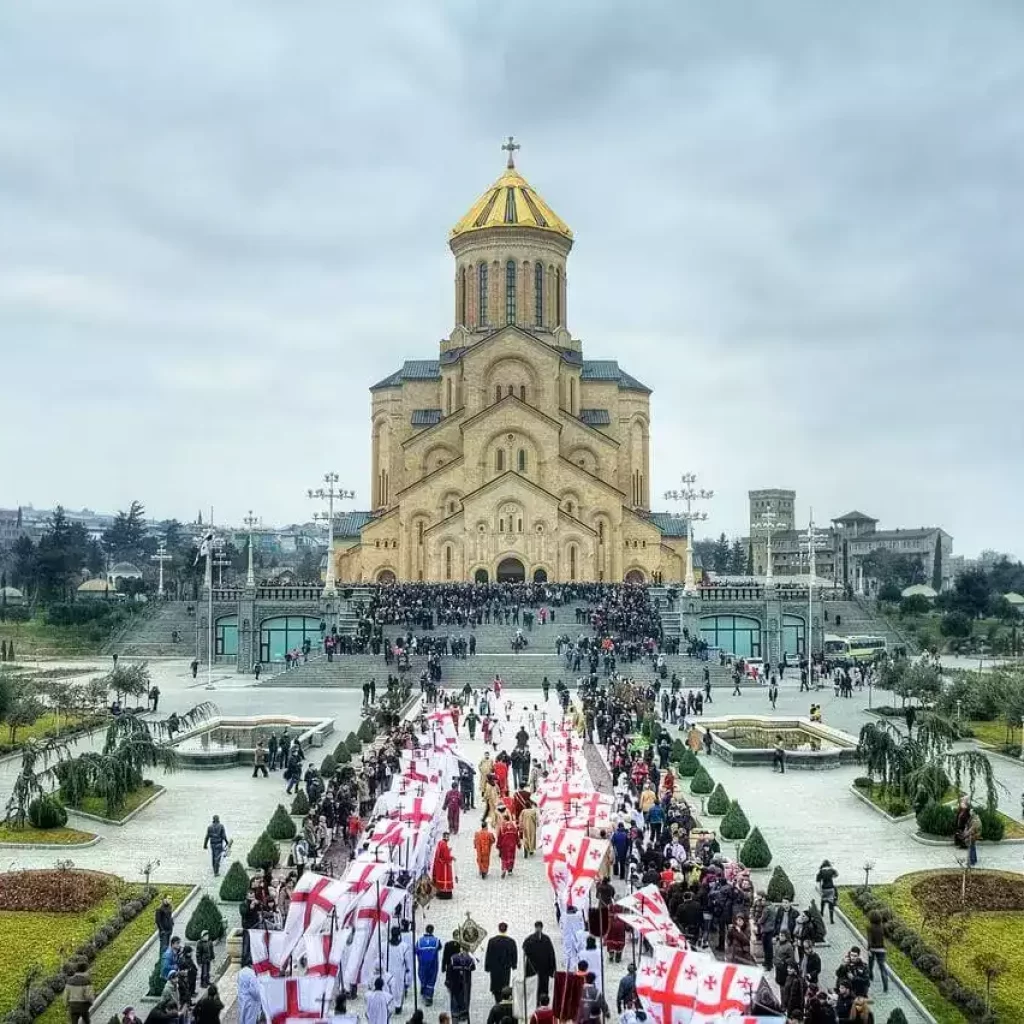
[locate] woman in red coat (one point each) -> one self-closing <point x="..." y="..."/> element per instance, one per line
<point x="444" y="869"/>
<point x="501" y="771"/>
<point x="508" y="841"/>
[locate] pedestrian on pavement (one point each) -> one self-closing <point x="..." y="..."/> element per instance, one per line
<point x="164" y="923"/>
<point x="204" y="958"/>
<point x="259" y="760"/>
<point x="217" y="841"/>
<point x="79" y="994"/>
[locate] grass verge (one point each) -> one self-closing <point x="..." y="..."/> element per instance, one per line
<point x="33" y="836"/>
<point x="98" y="805"/>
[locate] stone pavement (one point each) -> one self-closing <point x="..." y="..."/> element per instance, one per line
<point x="805" y="816"/>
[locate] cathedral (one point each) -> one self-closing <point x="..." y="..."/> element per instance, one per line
<point x="510" y="456"/>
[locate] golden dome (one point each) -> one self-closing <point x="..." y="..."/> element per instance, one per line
<point x="511" y="202"/>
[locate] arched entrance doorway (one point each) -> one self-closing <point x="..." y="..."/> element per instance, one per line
<point x="540" y="576"/>
<point x="739" y="635"/>
<point x="386" y="576"/>
<point x="511" y="570"/>
<point x="634" y="576"/>
<point x="480" y="576"/>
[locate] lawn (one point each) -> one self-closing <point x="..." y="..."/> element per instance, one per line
<point x="98" y="805"/>
<point x="61" y="836"/>
<point x="989" y="934"/>
<point x="31" y="938"/>
<point x="39" y="728"/>
<point x="995" y="734"/>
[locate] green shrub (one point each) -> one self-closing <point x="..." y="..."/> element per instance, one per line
<point x="993" y="826"/>
<point x="327" y="767"/>
<point x="718" y="802"/>
<point x="688" y="764"/>
<point x="367" y="730"/>
<point x="895" y="805"/>
<point x="47" y="812"/>
<point x="156" y="981"/>
<point x="354" y="743"/>
<point x="678" y="751"/>
<point x="815" y="923"/>
<point x="864" y="782"/>
<point x="300" y="805"/>
<point x="264" y="853"/>
<point x="780" y="887"/>
<point x="701" y="783"/>
<point x="281" y="825"/>
<point x="205" y="918"/>
<point x="235" y="884"/>
<point x="936" y="819"/>
<point x="342" y="756"/>
<point x="734" y="825"/>
<point x="897" y="1017"/>
<point x="338" y="749"/>
<point x="754" y="852"/>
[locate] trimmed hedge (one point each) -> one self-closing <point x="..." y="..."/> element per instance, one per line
<point x="264" y="853"/>
<point x="678" y="750"/>
<point x="780" y="887"/>
<point x="156" y="981"/>
<point x="206" y="917"/>
<point x="718" y="802"/>
<point x="936" y="819"/>
<point x="897" y="1017"/>
<point x="235" y="884"/>
<point x="300" y="805"/>
<point x="734" y="825"/>
<point x="342" y="756"/>
<point x="353" y="743"/>
<point x="701" y="783"/>
<point x="281" y="825"/>
<point x="755" y="852"/>
<point x="328" y="766"/>
<point x="688" y="764"/>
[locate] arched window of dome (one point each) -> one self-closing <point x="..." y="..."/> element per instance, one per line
<point x="508" y="389"/>
<point x="482" y="289"/>
<point x="462" y="296"/>
<point x="501" y="526"/>
<point x="499" y="460"/>
<point x="522" y="392"/>
<point x="538" y="294"/>
<point x="521" y="460"/>
<point x="510" y="292"/>
<point x="558" y="296"/>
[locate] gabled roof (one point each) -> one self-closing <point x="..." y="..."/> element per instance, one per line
<point x="854" y="517"/>
<point x="670" y="525"/>
<point x="425" y="417"/>
<point x="348" y="524"/>
<point x="609" y="370"/>
<point x="412" y="369"/>
<point x="596" y="417"/>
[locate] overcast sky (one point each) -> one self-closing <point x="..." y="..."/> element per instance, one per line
<point x="800" y="223"/>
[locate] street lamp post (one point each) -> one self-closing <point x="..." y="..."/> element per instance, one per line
<point x="328" y="494"/>
<point x="251" y="522"/>
<point x="769" y="524"/>
<point x="161" y="556"/>
<point x="689" y="494"/>
<point x="220" y="559"/>
<point x="813" y="537"/>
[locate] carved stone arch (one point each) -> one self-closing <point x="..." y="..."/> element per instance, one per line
<point x="635" y="574"/>
<point x="510" y="443"/>
<point x="451" y="502"/>
<point x="436" y="456"/>
<point x="586" y="458"/>
<point x="386" y="575"/>
<point x="513" y="371"/>
<point x="569" y="502"/>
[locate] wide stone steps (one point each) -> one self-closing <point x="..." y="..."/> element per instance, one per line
<point x="150" y="637"/>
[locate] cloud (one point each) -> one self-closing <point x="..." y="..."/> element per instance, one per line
<point x="219" y="225"/>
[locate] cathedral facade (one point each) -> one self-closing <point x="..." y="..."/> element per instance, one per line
<point x="509" y="456"/>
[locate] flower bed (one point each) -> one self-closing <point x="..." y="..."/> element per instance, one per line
<point x="940" y="950"/>
<point x="112" y="920"/>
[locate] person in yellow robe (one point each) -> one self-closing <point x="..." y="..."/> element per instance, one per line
<point x="528" y="826"/>
<point x="483" y="843"/>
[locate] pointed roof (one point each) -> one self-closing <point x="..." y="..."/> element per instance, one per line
<point x="511" y="202"/>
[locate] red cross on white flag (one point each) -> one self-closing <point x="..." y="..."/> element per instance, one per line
<point x="288" y="999"/>
<point x="725" y="988"/>
<point x="270" y="950"/>
<point x="323" y="954"/>
<point x="361" y="875"/>
<point x="649" y="904"/>
<point x="314" y="899"/>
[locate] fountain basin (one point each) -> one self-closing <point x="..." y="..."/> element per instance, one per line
<point x="744" y="740"/>
<point x="222" y="742"/>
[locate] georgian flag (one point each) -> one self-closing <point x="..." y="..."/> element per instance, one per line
<point x="649" y="904"/>
<point x="270" y="950"/>
<point x="656" y="935"/>
<point x="205" y="547"/>
<point x="314" y="899"/>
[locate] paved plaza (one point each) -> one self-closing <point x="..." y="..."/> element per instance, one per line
<point x="805" y="816"/>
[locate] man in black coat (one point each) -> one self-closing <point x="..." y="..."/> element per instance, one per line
<point x="500" y="960"/>
<point x="164" y="922"/>
<point x="539" y="958"/>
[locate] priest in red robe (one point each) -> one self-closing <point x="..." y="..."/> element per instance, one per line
<point x="443" y="873"/>
<point x="508" y="843"/>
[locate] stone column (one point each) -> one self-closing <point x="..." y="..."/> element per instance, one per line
<point x="248" y="642"/>
<point x="772" y="649"/>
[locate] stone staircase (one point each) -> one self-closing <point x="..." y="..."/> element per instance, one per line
<point x="150" y="636"/>
<point x="857" y="616"/>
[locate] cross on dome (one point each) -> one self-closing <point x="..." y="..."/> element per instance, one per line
<point x="510" y="145"/>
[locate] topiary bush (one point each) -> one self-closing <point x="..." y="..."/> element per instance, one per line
<point x="264" y="853"/>
<point x="864" y="782"/>
<point x="206" y="917"/>
<point x="281" y="825"/>
<point x="755" y="853"/>
<point x="327" y="766"/>
<point x="780" y="887"/>
<point x="47" y="812"/>
<point x="156" y="981"/>
<point x="342" y="756"/>
<point x="366" y="730"/>
<point x="701" y="783"/>
<point x="338" y="749"/>
<point x="734" y="825"/>
<point x="718" y="802"/>
<point x="235" y="884"/>
<point x="897" y="1017"/>
<point x="688" y="764"/>
<point x="936" y="819"/>
<point x="300" y="805"/>
<point x="815" y="923"/>
<point x="993" y="827"/>
<point x="354" y="743"/>
<point x="678" y="751"/>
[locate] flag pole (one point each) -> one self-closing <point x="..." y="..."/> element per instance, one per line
<point x="209" y="612"/>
